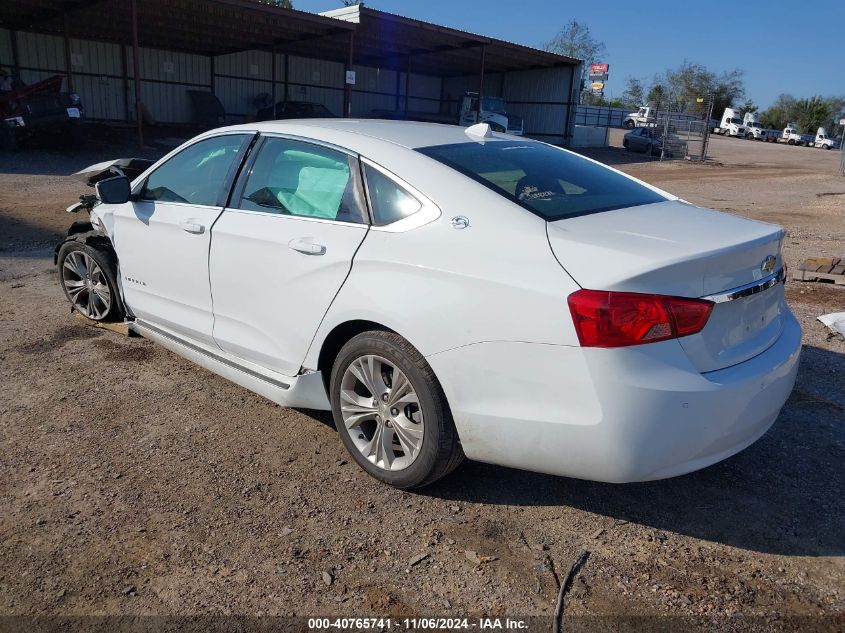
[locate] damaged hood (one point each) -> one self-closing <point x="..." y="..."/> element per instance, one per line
<point x="129" y="167"/>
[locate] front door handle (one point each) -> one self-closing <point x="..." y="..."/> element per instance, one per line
<point x="304" y="245"/>
<point x="192" y="226"/>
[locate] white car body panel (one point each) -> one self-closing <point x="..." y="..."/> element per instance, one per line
<point x="614" y="415"/>
<point x="487" y="306"/>
<point x="164" y="268"/>
<point x="269" y="298"/>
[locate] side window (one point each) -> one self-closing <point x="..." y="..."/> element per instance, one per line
<point x="197" y="174"/>
<point x="388" y="200"/>
<point x="305" y="180"/>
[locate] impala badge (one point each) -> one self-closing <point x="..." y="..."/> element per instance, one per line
<point x="768" y="264"/>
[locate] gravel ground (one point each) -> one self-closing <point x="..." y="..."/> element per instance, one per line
<point x="135" y="483"/>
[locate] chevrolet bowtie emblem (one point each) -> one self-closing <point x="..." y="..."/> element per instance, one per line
<point x="768" y="264"/>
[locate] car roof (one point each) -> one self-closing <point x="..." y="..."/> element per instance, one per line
<point x="409" y="134"/>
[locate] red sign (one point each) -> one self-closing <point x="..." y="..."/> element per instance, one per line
<point x="598" y="69"/>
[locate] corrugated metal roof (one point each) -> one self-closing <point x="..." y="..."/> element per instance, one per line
<point x="216" y="27"/>
<point x="206" y="27"/>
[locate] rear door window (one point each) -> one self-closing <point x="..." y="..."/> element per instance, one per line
<point x="302" y="179"/>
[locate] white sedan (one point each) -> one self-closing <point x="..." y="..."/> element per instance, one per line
<point x="449" y="292"/>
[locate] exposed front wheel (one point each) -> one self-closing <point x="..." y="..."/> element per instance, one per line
<point x="629" y="124"/>
<point x="87" y="275"/>
<point x="391" y="413"/>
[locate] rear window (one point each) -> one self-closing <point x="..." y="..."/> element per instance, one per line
<point x="547" y="181"/>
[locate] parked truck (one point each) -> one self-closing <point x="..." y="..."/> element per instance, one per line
<point x="643" y="117"/>
<point x="731" y="124"/>
<point x="823" y="141"/>
<point x="493" y="111"/>
<point x="791" y="136"/>
<point x="753" y="128"/>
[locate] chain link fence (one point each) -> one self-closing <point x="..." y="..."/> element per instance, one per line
<point x="667" y="129"/>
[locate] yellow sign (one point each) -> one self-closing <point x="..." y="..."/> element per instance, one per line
<point x="598" y="85"/>
<point x="699" y="100"/>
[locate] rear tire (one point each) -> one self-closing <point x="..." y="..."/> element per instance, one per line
<point x="87" y="275"/>
<point x="790" y="142"/>
<point x="385" y="394"/>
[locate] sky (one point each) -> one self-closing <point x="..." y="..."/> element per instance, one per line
<point x="782" y="45"/>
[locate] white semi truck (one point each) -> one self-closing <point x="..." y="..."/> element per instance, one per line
<point x="493" y="111"/>
<point x="641" y="118"/>
<point x="792" y="136"/>
<point x="753" y="128"/>
<point x="823" y="141"/>
<point x="731" y="124"/>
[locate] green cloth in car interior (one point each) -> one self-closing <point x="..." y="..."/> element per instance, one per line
<point x="320" y="184"/>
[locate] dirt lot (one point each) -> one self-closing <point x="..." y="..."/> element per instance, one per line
<point x="135" y="483"/>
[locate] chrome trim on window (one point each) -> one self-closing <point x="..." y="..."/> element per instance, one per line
<point x="748" y="289"/>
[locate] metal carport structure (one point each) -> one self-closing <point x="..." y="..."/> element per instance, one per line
<point x="240" y="48"/>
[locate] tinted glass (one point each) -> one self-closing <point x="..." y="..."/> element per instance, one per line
<point x="295" y="178"/>
<point x="197" y="174"/>
<point x="548" y="181"/>
<point x="389" y="201"/>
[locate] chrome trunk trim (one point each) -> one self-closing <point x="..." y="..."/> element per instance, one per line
<point x="748" y="289"/>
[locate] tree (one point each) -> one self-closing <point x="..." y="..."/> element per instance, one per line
<point x="749" y="106"/>
<point x="575" y="40"/>
<point x="657" y="94"/>
<point x="634" y="93"/>
<point x="808" y="114"/>
<point x="780" y="113"/>
<point x="283" y="4"/>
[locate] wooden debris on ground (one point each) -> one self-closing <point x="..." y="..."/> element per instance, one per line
<point x="117" y="328"/>
<point x="822" y="269"/>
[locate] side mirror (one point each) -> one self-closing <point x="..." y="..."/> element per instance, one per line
<point x="114" y="190"/>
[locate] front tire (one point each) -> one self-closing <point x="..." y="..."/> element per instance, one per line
<point x="88" y="277"/>
<point x="391" y="413"/>
<point x="629" y="124"/>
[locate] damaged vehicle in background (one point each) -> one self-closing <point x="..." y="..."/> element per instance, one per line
<point x="40" y="110"/>
<point x="449" y="292"/>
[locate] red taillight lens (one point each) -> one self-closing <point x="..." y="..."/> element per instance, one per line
<point x="618" y="319"/>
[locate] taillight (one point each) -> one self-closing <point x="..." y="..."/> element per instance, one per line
<point x="619" y="319"/>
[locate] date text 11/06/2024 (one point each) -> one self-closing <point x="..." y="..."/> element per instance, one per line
<point x="415" y="624"/>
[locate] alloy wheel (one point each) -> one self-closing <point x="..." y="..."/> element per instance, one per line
<point x="382" y="413"/>
<point x="86" y="285"/>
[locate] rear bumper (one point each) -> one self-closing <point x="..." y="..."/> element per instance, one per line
<point x="613" y="415"/>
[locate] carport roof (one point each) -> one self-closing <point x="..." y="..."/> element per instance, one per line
<point x="215" y="27"/>
<point x="387" y="40"/>
<point x="205" y="27"/>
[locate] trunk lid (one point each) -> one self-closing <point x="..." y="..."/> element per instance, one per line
<point x="674" y="248"/>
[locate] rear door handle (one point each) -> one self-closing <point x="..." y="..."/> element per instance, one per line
<point x="192" y="226"/>
<point x="303" y="245"/>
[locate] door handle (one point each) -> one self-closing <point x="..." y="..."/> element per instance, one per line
<point x="302" y="245"/>
<point x="192" y="226"/>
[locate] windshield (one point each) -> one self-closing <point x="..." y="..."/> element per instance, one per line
<point x="736" y="121"/>
<point x="493" y="104"/>
<point x="548" y="181"/>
